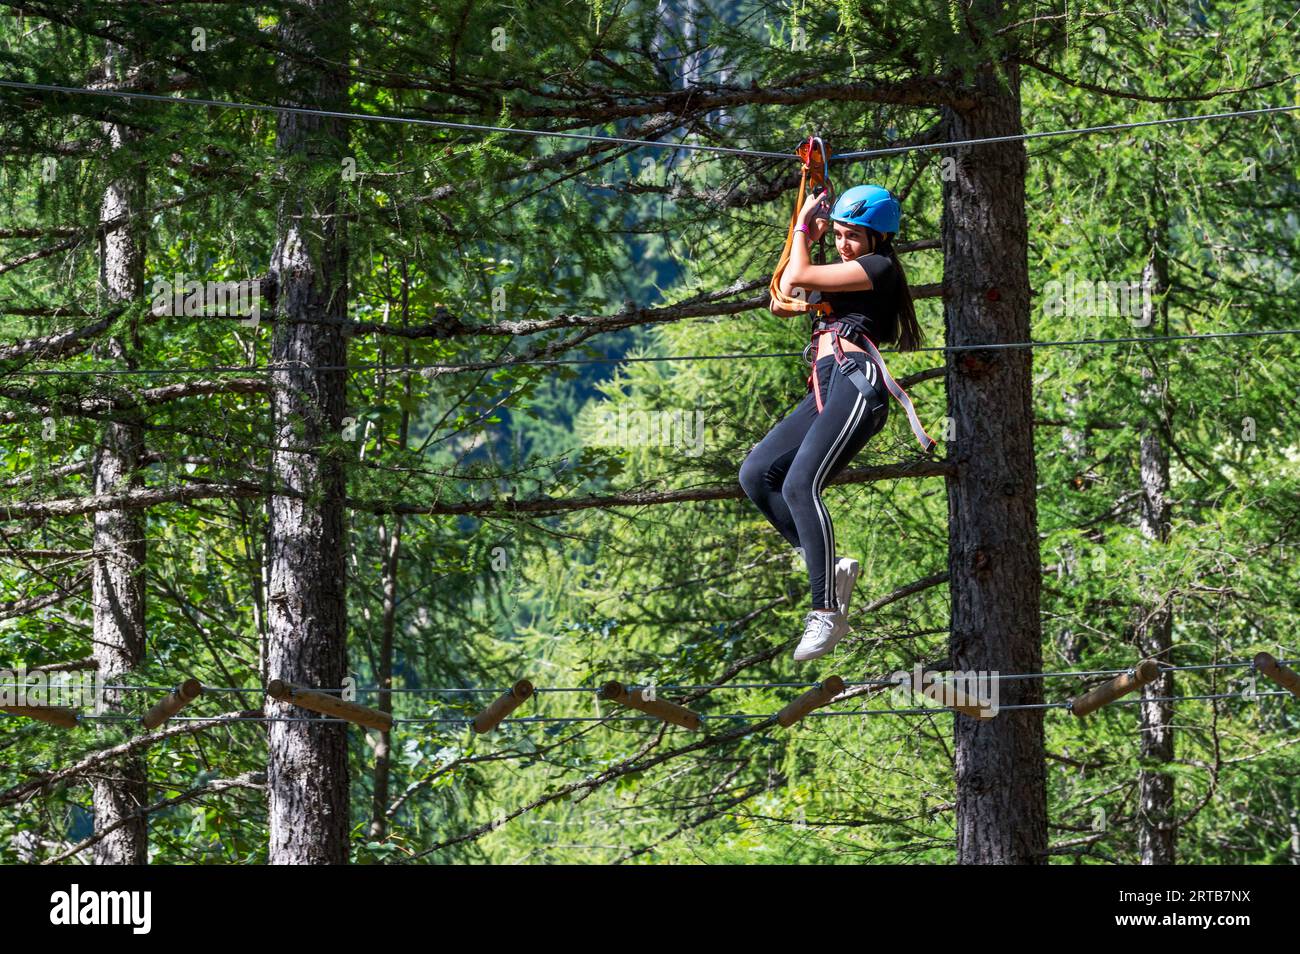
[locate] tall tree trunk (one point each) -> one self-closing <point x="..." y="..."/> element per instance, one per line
<point x="1154" y="632"/>
<point x="693" y="60"/>
<point x="1070" y="644"/>
<point x="676" y="41"/>
<point x="993" y="558"/>
<point x="306" y="613"/>
<point x="119" y="535"/>
<point x="392" y="544"/>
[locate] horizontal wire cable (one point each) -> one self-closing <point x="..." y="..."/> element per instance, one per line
<point x="380" y="118"/>
<point x="687" y="688"/>
<point x="1078" y="131"/>
<point x="401" y="120"/>
<point x="545" y="133"/>
<point x="547" y="362"/>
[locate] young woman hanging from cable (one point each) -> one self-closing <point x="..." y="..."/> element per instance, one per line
<point x="856" y="302"/>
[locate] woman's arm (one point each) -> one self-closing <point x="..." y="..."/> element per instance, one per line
<point x="801" y="272"/>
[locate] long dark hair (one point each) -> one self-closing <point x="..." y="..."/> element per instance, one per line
<point x="906" y="331"/>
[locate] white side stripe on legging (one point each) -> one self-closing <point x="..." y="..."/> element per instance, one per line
<point x="828" y="532"/>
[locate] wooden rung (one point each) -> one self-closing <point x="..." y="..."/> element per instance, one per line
<point x="948" y="691"/>
<point x="172" y="703"/>
<point x="1146" y="671"/>
<point x="54" y="715"/>
<point x="1285" y="677"/>
<point x="814" y="698"/>
<point x="326" y="704"/>
<point x="491" y="717"/>
<point x="668" y="711"/>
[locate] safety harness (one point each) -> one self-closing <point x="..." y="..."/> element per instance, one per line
<point x="814" y="175"/>
<point x="848" y="367"/>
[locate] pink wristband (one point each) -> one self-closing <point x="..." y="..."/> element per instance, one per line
<point x="801" y="227"/>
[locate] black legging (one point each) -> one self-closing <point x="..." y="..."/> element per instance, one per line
<point x="785" y="472"/>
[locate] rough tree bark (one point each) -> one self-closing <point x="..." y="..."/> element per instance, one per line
<point x="306" y="613"/>
<point x="119" y="535"/>
<point x="993" y="558"/>
<point x="391" y="544"/>
<point x="1154" y="631"/>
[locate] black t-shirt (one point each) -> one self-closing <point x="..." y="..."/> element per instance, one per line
<point x="876" y="309"/>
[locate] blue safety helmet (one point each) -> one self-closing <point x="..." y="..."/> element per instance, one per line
<point x="870" y="205"/>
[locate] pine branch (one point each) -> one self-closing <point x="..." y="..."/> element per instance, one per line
<point x="44" y="781"/>
<point x="100" y="408"/>
<point x="16" y="608"/>
<point x="253" y="780"/>
<point x="1076" y="83"/>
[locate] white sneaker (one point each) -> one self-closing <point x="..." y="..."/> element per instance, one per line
<point x="846" y="574"/>
<point x="822" y="630"/>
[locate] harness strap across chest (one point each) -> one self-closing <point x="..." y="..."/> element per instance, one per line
<point x="839" y="329"/>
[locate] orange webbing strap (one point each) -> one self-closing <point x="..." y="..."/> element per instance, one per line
<point x="813" y="175"/>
